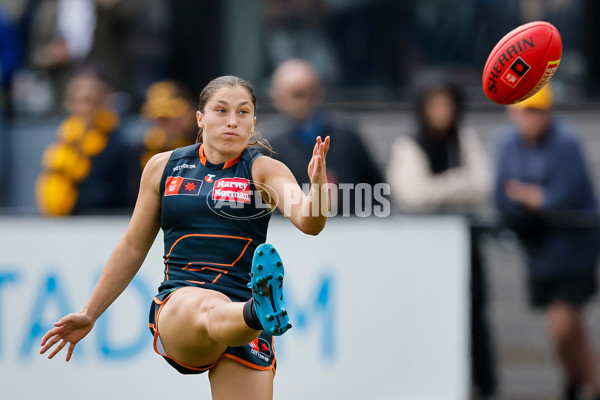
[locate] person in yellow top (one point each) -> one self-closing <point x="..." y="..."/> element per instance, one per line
<point x="83" y="169"/>
<point x="544" y="192"/>
<point x="172" y="114"/>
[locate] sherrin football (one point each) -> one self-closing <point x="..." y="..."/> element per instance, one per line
<point x="522" y="62"/>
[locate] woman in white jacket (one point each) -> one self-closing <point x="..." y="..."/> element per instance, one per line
<point x="444" y="166"/>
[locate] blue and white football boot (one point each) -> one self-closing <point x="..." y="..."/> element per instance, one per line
<point x="266" y="282"/>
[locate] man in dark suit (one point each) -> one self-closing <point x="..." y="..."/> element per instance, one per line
<point x="297" y="94"/>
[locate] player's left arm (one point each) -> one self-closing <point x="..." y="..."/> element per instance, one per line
<point x="307" y="212"/>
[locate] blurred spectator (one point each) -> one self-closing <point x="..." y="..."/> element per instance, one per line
<point x="66" y="34"/>
<point x="87" y="169"/>
<point x="296" y="29"/>
<point x="544" y="193"/>
<point x="444" y="165"/>
<point x="171" y="110"/>
<point x="297" y="93"/>
<point x="444" y="169"/>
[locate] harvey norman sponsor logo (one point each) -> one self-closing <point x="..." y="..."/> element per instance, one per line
<point x="241" y="198"/>
<point x="232" y="189"/>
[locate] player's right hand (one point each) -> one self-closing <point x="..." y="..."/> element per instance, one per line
<point x="70" y="329"/>
<point x="317" y="167"/>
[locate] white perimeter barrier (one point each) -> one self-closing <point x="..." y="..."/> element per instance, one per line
<point x="379" y="308"/>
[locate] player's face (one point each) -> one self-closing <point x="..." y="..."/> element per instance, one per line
<point x="227" y="121"/>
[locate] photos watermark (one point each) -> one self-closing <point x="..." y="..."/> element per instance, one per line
<point x="244" y="199"/>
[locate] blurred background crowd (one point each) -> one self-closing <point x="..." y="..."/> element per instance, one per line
<point x="368" y="55"/>
<point x="91" y="89"/>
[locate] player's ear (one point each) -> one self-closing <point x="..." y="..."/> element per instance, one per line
<point x="199" y="119"/>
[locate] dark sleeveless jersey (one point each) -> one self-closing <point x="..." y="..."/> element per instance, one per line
<point x="213" y="219"/>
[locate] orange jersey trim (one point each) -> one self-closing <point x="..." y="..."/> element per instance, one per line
<point x="228" y="163"/>
<point x="201" y="155"/>
<point x="249" y="364"/>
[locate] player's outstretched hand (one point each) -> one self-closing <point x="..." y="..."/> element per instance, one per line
<point x="70" y="329"/>
<point x="317" y="170"/>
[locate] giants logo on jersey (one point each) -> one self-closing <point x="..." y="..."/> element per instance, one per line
<point x="232" y="189"/>
<point x="177" y="185"/>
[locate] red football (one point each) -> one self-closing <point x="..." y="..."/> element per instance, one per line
<point x="522" y="62"/>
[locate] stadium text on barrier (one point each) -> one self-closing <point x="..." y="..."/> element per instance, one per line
<point x="53" y="299"/>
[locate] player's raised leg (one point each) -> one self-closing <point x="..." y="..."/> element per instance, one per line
<point x="196" y="326"/>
